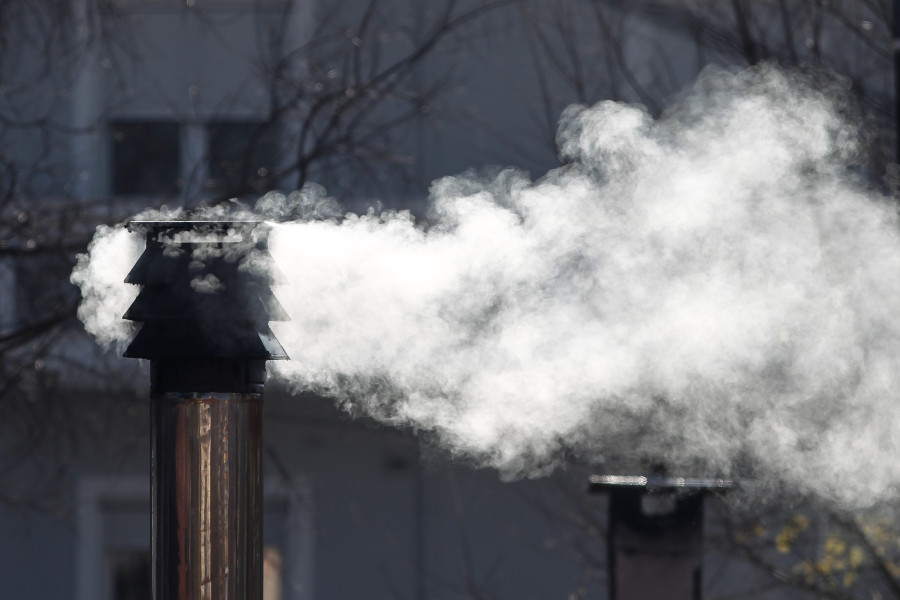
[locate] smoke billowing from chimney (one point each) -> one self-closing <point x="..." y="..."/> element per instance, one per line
<point x="711" y="289"/>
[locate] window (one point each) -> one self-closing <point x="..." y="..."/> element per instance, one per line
<point x="145" y="158"/>
<point x="130" y="575"/>
<point x="220" y="158"/>
<point x="242" y="157"/>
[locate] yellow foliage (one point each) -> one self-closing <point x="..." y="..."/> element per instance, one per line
<point x="835" y="546"/>
<point x="808" y="570"/>
<point x="783" y="541"/>
<point x="877" y="531"/>
<point x="838" y="562"/>
<point x="785" y="538"/>
<point x="893" y="568"/>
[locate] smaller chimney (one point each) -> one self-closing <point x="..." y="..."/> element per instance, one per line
<point x="204" y="327"/>
<point x="655" y="535"/>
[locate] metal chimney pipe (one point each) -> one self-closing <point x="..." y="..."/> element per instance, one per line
<point x="655" y="535"/>
<point x="205" y="330"/>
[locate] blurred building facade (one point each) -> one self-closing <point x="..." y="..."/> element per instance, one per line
<point x="171" y="103"/>
<point x="187" y="102"/>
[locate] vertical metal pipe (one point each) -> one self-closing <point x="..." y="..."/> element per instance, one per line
<point x="655" y="546"/>
<point x="208" y="353"/>
<point x="206" y="496"/>
<point x="655" y="534"/>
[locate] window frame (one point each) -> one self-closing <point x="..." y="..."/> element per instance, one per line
<point x="95" y="494"/>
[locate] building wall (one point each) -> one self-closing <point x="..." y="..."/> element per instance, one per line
<point x="356" y="510"/>
<point x="349" y="504"/>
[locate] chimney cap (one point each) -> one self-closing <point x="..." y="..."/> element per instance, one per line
<point x="197" y="300"/>
<point x="188" y="224"/>
<point x="658" y="483"/>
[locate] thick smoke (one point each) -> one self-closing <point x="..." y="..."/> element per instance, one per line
<point x="710" y="289"/>
<point x="101" y="274"/>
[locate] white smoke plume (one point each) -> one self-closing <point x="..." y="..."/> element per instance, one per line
<point x="710" y="289"/>
<point x="101" y="275"/>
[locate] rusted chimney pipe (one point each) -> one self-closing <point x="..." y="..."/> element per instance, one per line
<point x="655" y="535"/>
<point x="204" y="318"/>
